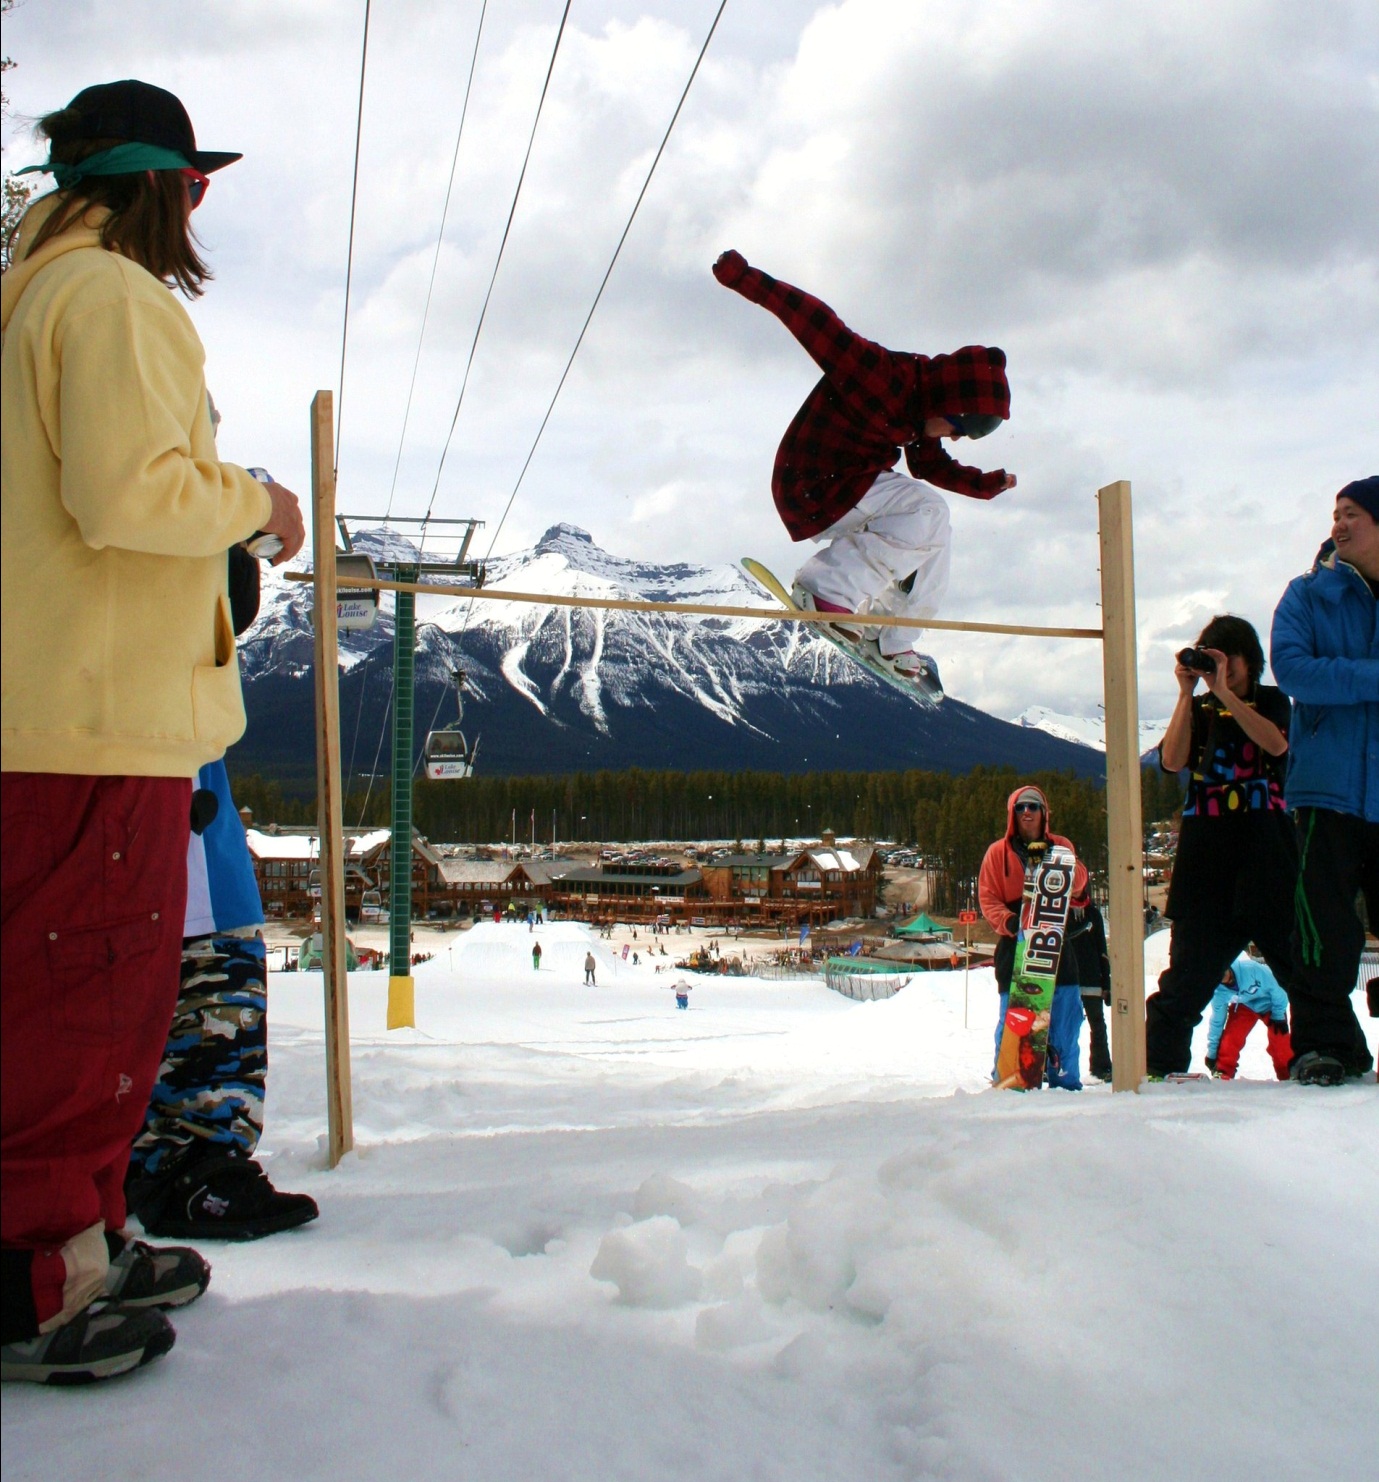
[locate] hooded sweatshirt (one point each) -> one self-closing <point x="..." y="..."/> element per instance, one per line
<point x="1001" y="885"/>
<point x="870" y="404"/>
<point x="119" y="652"/>
<point x="1325" y="653"/>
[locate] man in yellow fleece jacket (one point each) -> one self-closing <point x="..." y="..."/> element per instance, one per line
<point x="119" y="681"/>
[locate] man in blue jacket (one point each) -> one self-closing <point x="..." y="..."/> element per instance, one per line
<point x="1325" y="654"/>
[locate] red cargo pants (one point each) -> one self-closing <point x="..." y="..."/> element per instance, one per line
<point x="93" y="889"/>
<point x="1239" y="1022"/>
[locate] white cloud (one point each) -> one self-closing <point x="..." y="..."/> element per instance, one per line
<point x="1166" y="215"/>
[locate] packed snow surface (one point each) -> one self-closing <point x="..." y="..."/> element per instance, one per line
<point x="782" y="1235"/>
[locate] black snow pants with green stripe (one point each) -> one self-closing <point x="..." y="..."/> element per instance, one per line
<point x="1339" y="861"/>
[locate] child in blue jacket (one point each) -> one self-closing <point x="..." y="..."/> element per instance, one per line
<point x="1248" y="993"/>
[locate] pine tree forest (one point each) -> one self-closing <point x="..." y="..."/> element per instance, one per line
<point x="949" y="819"/>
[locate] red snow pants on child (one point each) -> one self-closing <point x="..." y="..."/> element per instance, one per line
<point x="93" y="892"/>
<point x="1239" y="1022"/>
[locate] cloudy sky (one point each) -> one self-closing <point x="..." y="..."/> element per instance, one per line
<point x="1166" y="213"/>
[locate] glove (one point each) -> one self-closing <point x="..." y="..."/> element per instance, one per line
<point x="1106" y="994"/>
<point x="1211" y="1063"/>
<point x="730" y="268"/>
<point x="205" y="807"/>
<point x="1012" y="926"/>
<point x="1279" y="1026"/>
<point x="1372" y="997"/>
<point x="244" y="589"/>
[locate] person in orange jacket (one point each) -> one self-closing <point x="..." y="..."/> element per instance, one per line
<point x="1000" y="886"/>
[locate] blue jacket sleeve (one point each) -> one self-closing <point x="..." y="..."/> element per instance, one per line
<point x="1220" y="1002"/>
<point x="1279" y="1012"/>
<point x="1300" y="670"/>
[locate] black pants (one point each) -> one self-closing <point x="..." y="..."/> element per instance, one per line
<point x="1340" y="860"/>
<point x="1200" y="950"/>
<point x="1098" y="1047"/>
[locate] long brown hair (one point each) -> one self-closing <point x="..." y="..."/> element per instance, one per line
<point x="149" y="221"/>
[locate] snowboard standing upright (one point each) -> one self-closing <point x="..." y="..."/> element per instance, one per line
<point x="1038" y="950"/>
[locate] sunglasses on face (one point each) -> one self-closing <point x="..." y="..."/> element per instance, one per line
<point x="197" y="185"/>
<point x="1028" y="808"/>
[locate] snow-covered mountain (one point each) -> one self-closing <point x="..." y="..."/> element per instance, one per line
<point x="556" y="689"/>
<point x="1086" y="730"/>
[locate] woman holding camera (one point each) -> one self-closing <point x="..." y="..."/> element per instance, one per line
<point x="1236" y="867"/>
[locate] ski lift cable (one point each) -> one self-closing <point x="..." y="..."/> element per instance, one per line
<point x="358" y="719"/>
<point x="641" y="194"/>
<point x="435" y="260"/>
<point x="420" y="760"/>
<point x="378" y="752"/>
<point x="512" y="211"/>
<point x="349" y="253"/>
<point x="435" y="716"/>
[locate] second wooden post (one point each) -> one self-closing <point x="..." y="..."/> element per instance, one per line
<point x="330" y="819"/>
<point x="1124" y="827"/>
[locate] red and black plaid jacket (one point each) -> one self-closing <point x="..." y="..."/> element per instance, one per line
<point x="871" y="403"/>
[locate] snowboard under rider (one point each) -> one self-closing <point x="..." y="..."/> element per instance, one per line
<point x="886" y="535"/>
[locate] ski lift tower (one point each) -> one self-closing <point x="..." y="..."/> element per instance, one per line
<point x="457" y="566"/>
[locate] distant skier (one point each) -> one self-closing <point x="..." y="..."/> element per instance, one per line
<point x="536" y="956"/>
<point x="888" y="536"/>
<point x="681" y="989"/>
<point x="589" y="966"/>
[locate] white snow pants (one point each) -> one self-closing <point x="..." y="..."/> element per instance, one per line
<point x="899" y="526"/>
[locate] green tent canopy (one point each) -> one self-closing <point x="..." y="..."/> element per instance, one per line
<point x="922" y="926"/>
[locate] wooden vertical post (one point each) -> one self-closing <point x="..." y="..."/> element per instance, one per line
<point x="1124" y="826"/>
<point x="330" y="820"/>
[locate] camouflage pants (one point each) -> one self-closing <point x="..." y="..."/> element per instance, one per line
<point x="210" y="1085"/>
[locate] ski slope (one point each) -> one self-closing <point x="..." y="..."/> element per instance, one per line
<point x="780" y="1236"/>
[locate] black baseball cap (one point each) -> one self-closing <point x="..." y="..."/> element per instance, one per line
<point x="139" y="113"/>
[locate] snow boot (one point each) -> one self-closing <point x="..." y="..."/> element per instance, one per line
<point x="1316" y="1069"/>
<point x="917" y="669"/>
<point x="804" y="598"/>
<point x="222" y="1196"/>
<point x="100" y="1342"/>
<point x="140" y="1276"/>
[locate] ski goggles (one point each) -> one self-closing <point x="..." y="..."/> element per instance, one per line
<point x="973" y="424"/>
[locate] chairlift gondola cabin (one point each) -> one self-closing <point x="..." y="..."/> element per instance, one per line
<point x="448" y="757"/>
<point x="355" y="607"/>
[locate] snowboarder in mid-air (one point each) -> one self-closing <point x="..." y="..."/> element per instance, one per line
<point x="835" y="481"/>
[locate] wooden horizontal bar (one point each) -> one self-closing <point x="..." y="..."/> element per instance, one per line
<point x="699" y="609"/>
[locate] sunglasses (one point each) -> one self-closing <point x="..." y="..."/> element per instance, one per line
<point x="1028" y="808"/>
<point x="197" y="185"/>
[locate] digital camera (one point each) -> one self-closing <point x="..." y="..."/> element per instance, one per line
<point x="1197" y="659"/>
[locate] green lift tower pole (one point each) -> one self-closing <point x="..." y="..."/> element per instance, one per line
<point x="401" y="990"/>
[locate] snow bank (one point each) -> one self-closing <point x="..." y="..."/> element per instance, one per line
<point x="584" y="1235"/>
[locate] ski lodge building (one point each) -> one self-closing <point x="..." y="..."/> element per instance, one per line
<point x="813" y="885"/>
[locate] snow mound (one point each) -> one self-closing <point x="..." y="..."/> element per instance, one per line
<point x="648" y="1262"/>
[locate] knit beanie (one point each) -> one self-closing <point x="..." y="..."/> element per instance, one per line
<point x="1365" y="493"/>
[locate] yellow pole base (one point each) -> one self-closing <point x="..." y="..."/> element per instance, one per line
<point x="402" y="1006"/>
